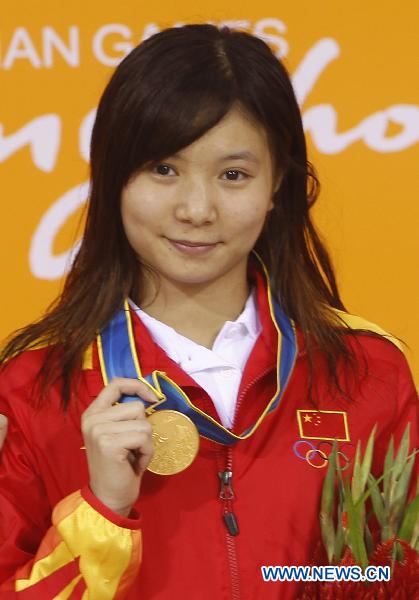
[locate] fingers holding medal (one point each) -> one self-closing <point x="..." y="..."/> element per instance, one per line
<point x="122" y="441"/>
<point x="118" y="442"/>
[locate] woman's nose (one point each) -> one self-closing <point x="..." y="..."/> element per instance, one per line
<point x="195" y="203"/>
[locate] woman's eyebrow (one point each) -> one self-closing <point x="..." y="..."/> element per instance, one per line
<point x="241" y="155"/>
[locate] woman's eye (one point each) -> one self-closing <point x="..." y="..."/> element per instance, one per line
<point x="162" y="169"/>
<point x="235" y="175"/>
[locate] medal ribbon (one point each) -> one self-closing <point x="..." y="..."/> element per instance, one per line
<point x="118" y="358"/>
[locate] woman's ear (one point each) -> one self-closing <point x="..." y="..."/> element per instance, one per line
<point x="277" y="181"/>
<point x="277" y="184"/>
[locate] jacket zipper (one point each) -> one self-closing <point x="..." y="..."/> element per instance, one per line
<point x="226" y="495"/>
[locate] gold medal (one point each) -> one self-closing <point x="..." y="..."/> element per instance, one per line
<point x="175" y="441"/>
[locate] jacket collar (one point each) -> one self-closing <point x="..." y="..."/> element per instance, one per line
<point x="262" y="360"/>
<point x="152" y="356"/>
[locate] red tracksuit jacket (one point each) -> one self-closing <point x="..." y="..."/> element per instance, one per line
<point x="58" y="541"/>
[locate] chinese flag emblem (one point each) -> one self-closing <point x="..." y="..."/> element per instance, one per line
<point x="323" y="425"/>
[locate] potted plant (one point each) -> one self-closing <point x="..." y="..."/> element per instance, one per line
<point x="367" y="521"/>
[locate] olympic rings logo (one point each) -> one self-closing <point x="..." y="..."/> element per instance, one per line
<point x="318" y="458"/>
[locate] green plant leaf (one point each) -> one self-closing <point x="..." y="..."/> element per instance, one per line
<point x="327" y="506"/>
<point x="400" y="460"/>
<point x="409" y="529"/>
<point x="367" y="493"/>
<point x="339" y="538"/>
<point x="367" y="461"/>
<point x="388" y="465"/>
<point x="376" y="499"/>
<point x="362" y="467"/>
<point x="369" y="541"/>
<point x="355" y="529"/>
<point x="356" y="475"/>
<point x="401" y="489"/>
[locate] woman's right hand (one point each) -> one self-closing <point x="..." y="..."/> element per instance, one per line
<point x="118" y="443"/>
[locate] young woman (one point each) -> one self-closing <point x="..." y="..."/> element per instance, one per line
<point x="170" y="417"/>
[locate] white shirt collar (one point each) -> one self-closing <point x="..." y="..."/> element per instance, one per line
<point x="183" y="350"/>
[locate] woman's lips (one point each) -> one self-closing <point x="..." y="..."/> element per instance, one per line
<point x="192" y="249"/>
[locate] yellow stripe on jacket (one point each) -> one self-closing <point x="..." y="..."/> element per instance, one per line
<point x="109" y="555"/>
<point x="355" y="322"/>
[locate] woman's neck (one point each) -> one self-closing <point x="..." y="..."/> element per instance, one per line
<point x="197" y="312"/>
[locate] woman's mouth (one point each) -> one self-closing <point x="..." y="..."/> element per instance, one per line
<point x="192" y="248"/>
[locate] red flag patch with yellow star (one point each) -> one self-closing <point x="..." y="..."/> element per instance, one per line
<point x="323" y="424"/>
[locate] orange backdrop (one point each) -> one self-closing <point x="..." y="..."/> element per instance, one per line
<point x="352" y="66"/>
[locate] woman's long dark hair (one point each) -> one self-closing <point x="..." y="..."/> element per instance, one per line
<point x="164" y="95"/>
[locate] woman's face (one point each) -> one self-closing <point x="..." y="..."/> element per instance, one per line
<point x="217" y="192"/>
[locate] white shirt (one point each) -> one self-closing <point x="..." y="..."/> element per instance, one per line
<point x="217" y="370"/>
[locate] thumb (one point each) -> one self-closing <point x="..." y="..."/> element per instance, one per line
<point x="3" y="429"/>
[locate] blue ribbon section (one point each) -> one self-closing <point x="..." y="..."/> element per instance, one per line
<point x="288" y="347"/>
<point x="118" y="361"/>
<point x="117" y="354"/>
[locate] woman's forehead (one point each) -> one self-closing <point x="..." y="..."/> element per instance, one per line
<point x="234" y="137"/>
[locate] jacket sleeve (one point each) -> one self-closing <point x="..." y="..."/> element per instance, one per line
<point x="404" y="411"/>
<point x="80" y="549"/>
<point x="407" y="412"/>
<point x="406" y="408"/>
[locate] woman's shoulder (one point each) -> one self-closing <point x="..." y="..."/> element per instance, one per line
<point x="18" y="385"/>
<point x="372" y="336"/>
<point x="23" y="369"/>
<point x="22" y="384"/>
<point x="384" y="352"/>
